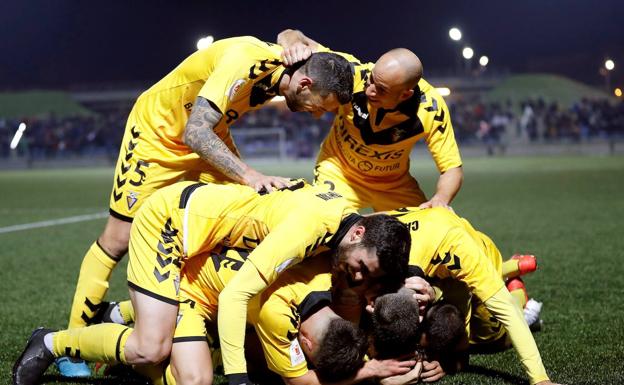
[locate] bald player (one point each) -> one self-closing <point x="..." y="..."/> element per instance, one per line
<point x="366" y="156"/>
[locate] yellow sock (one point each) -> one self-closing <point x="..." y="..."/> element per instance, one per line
<point x="520" y="297"/>
<point x="92" y="285"/>
<point x="103" y="343"/>
<point x="510" y="268"/>
<point x="127" y="311"/>
<point x="158" y="374"/>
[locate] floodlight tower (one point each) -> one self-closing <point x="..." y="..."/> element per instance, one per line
<point x="468" y="53"/>
<point x="609" y="65"/>
<point x="456" y="35"/>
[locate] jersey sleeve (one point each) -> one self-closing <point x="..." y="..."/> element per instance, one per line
<point x="465" y="260"/>
<point x="502" y="306"/>
<point x="441" y="138"/>
<point x="277" y="331"/>
<point x="232" y="316"/>
<point x="230" y="72"/>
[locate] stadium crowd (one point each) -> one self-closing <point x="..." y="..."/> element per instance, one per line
<point x="474" y="121"/>
<point x="537" y="120"/>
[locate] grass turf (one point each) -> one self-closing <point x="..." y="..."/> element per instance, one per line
<point x="567" y="211"/>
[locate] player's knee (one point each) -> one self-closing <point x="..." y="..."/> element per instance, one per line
<point x="153" y="353"/>
<point x="115" y="238"/>
<point x="195" y="376"/>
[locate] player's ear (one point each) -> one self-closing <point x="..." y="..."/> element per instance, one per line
<point x="305" y="342"/>
<point x="357" y="233"/>
<point x="305" y="82"/>
<point x="406" y="94"/>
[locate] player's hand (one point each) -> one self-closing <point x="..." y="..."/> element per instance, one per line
<point x="295" y="53"/>
<point x="410" y="377"/>
<point x="261" y="182"/>
<point x="388" y="368"/>
<point x="424" y="292"/>
<point x="435" y="202"/>
<point x="432" y="371"/>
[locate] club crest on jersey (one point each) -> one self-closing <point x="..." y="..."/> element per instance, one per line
<point x="234" y="88"/>
<point x="131" y="199"/>
<point x="296" y="354"/>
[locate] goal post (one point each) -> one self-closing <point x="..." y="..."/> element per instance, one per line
<point x="261" y="143"/>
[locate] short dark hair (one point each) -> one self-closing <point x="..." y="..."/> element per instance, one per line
<point x="341" y="351"/>
<point x="396" y="329"/>
<point x="444" y="327"/>
<point x="392" y="240"/>
<point x="331" y="73"/>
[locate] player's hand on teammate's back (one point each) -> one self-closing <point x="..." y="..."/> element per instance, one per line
<point x="261" y="182"/>
<point x="435" y="202"/>
<point x="432" y="371"/>
<point x="295" y="53"/>
<point x="411" y="377"/>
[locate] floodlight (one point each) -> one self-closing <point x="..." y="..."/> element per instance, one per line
<point x="443" y="91"/>
<point x="609" y="64"/>
<point x="455" y="34"/>
<point x="468" y="53"/>
<point x="18" y="135"/>
<point x="205" y="42"/>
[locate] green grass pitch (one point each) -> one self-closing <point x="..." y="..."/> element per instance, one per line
<point x="567" y="211"/>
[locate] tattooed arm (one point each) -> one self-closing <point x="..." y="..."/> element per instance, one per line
<point x="199" y="135"/>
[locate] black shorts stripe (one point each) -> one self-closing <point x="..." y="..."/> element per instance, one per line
<point x="186" y="193"/>
<point x="153" y="295"/>
<point x="121" y="217"/>
<point x="118" y="346"/>
<point x="190" y="339"/>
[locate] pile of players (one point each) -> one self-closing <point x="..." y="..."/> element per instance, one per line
<point x="215" y="246"/>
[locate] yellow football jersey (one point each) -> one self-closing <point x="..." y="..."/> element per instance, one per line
<point x="374" y="144"/>
<point x="236" y="74"/>
<point x="275" y="313"/>
<point x="282" y="227"/>
<point x="445" y="245"/>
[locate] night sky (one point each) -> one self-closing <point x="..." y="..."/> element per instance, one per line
<point x="69" y="44"/>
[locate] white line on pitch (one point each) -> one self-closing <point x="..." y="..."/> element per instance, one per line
<point x="53" y="222"/>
